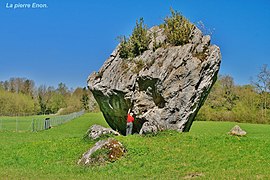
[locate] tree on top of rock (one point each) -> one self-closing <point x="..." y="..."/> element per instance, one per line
<point x="137" y="43"/>
<point x="177" y="29"/>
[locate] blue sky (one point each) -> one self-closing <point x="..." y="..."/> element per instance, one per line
<point x="70" y="39"/>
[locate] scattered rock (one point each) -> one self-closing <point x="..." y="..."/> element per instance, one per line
<point x="237" y="131"/>
<point x="193" y="175"/>
<point x="149" y="128"/>
<point x="96" y="131"/>
<point x="103" y="151"/>
<point x="167" y="86"/>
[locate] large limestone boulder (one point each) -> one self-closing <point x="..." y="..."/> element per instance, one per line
<point x="166" y="86"/>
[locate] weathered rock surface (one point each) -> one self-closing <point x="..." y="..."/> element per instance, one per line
<point x="96" y="131"/>
<point x="237" y="131"/>
<point x="151" y="127"/>
<point x="168" y="89"/>
<point x="113" y="151"/>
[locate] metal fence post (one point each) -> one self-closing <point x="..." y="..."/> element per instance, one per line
<point x="47" y="123"/>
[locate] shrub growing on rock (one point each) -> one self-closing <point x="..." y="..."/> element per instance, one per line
<point x="137" y="43"/>
<point x="125" y="50"/>
<point x="177" y="29"/>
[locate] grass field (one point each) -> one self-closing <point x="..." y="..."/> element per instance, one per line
<point x="33" y="123"/>
<point x="206" y="152"/>
<point x="20" y="123"/>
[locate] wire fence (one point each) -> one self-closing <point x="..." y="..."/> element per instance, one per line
<point x="35" y="123"/>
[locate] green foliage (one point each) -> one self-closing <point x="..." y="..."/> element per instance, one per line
<point x="229" y="102"/>
<point x="125" y="50"/>
<point x="137" y="43"/>
<point x="51" y="100"/>
<point x="80" y="99"/>
<point x="139" y="38"/>
<point x="17" y="104"/>
<point x="85" y="99"/>
<point x="56" y="102"/>
<point x="18" y="96"/>
<point x="177" y="29"/>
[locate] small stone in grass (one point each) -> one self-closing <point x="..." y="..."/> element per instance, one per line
<point x="237" y="131"/>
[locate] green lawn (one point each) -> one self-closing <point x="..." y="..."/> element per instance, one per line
<point x="206" y="151"/>
<point x="23" y="123"/>
<point x="32" y="123"/>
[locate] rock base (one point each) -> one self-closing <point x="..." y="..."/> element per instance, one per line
<point x="103" y="151"/>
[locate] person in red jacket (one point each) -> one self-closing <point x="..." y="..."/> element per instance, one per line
<point x="130" y="120"/>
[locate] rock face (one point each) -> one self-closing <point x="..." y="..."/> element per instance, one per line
<point x="166" y="86"/>
<point x="96" y="131"/>
<point x="237" y="131"/>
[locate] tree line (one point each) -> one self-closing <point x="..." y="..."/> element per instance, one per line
<point x="226" y="101"/>
<point x="20" y="96"/>
<point x="239" y="103"/>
